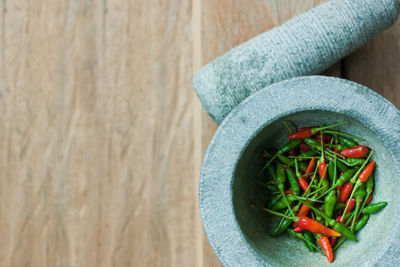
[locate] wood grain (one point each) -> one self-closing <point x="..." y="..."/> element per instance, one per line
<point x="102" y="133"/>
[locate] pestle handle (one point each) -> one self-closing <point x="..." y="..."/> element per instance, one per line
<point x="305" y="45"/>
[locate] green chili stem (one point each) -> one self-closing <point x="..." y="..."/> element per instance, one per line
<point x="344" y="134"/>
<point x="280" y="214"/>
<point x="287" y="127"/>
<point x="339" y="243"/>
<point x="269" y="162"/>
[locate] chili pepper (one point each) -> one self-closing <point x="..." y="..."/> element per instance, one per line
<point x="311" y="142"/>
<point x="338" y="147"/>
<point x="350" y="204"/>
<point x="298" y="229"/>
<point x="286" y="148"/>
<point x="294" y="184"/>
<point x="355" y="152"/>
<point x="296" y="168"/>
<point x="281" y="227"/>
<point x="330" y="200"/>
<point x="310" y="238"/>
<point x="342" y="167"/>
<point x="345" y="192"/>
<point x="306" y="154"/>
<point x="288" y="192"/>
<point x="308" y="132"/>
<point x="362" y="178"/>
<point x="321" y="168"/>
<point x="326" y="247"/>
<point x="331" y="171"/>
<point x="333" y="241"/>
<point x="369" y="187"/>
<point x="339" y="205"/>
<point x="347" y="142"/>
<point x="286" y="160"/>
<point x="304" y="210"/>
<point x="283" y="203"/>
<point x="325" y="186"/>
<point x="272" y="172"/>
<point x="304" y="147"/>
<point x="280" y="180"/>
<point x="293" y="152"/>
<point x="362" y="222"/>
<point x="372" y="208"/>
<point x="354" y="161"/>
<point x="316" y="227"/>
<point x="292" y="233"/>
<point x="302" y="166"/>
<point x="336" y="226"/>
<point x="310" y="166"/>
<point x="366" y="172"/>
<point x="326" y="137"/>
<point x="273" y="201"/>
<point x="359" y="196"/>
<point x="303" y="184"/>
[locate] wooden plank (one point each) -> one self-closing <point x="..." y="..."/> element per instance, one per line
<point x="377" y="64"/>
<point x="97" y="134"/>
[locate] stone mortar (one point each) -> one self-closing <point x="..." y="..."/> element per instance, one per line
<point x="238" y="230"/>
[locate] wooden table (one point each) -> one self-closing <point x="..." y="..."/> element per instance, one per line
<point x="101" y="132"/>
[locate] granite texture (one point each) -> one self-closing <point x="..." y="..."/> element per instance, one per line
<point x="229" y="199"/>
<point x="306" y="44"/>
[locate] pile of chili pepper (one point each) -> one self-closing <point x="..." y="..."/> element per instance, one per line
<point x="321" y="183"/>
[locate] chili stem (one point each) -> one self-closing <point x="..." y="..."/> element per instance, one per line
<point x="279" y="214"/>
<point x="287" y="127"/>
<point x="344" y="134"/>
<point x="339" y="243"/>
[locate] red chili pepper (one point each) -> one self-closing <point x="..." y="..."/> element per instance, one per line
<point x="310" y="166"/>
<point x="301" y="134"/>
<point x="289" y="192"/>
<point x="293" y="152"/>
<point x="327" y="248"/>
<point x="304" y="147"/>
<point x="333" y="241"/>
<point x="304" y="210"/>
<point x="305" y="128"/>
<point x="369" y="199"/>
<point x="345" y="192"/>
<point x="303" y="184"/>
<point x="352" y="204"/>
<point x="366" y="172"/>
<point x="326" y="137"/>
<point x="316" y="227"/>
<point x="321" y="168"/>
<point x="298" y="229"/>
<point x="355" y="152"/>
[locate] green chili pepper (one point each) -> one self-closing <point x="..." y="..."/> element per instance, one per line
<point x="274" y="200"/>
<point x="347" y="142"/>
<point x="286" y="160"/>
<point x="339" y="205"/>
<point x="300" y="236"/>
<point x="302" y="166"/>
<point x="272" y="172"/>
<point x="325" y="186"/>
<point x="362" y="222"/>
<point x="369" y="187"/>
<point x="372" y="208"/>
<point x="283" y="203"/>
<point x="331" y="171"/>
<point x="354" y="161"/>
<point x="294" y="184"/>
<point x="311" y="240"/>
<point x="342" y="167"/>
<point x="281" y="227"/>
<point x="280" y="180"/>
<point x="306" y="154"/>
<point x="286" y="148"/>
<point x="330" y="200"/>
<point x="359" y="196"/>
<point x="311" y="142"/>
<point x="339" y="146"/>
<point x="298" y="174"/>
<point x="346" y="176"/>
